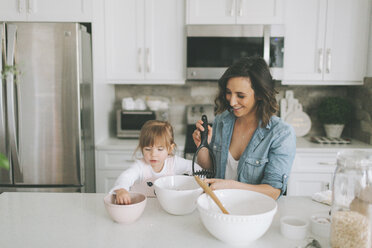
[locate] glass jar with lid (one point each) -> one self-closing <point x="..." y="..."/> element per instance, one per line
<point x="352" y="200"/>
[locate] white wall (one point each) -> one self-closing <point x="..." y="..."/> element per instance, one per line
<point x="104" y="94"/>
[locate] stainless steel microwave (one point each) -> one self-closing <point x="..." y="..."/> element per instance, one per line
<point x="130" y="122"/>
<point x="212" y="48"/>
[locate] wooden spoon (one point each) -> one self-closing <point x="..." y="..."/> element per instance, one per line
<point x="210" y="192"/>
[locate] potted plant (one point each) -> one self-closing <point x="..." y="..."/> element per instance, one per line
<point x="334" y="113"/>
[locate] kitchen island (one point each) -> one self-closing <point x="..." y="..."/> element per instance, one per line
<point x="80" y="220"/>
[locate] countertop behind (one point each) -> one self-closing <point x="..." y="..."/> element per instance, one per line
<point x="303" y="144"/>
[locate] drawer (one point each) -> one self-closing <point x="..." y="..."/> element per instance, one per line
<point x="114" y="160"/>
<point x="315" y="162"/>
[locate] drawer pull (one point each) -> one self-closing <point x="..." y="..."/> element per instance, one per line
<point x="327" y="163"/>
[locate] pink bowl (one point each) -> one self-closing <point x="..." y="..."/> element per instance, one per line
<point x="125" y="213"/>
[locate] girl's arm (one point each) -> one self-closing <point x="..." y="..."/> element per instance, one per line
<point x="127" y="178"/>
<point x="184" y="166"/>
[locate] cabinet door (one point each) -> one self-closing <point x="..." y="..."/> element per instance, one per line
<point x="124" y="40"/>
<point x="105" y="180"/>
<point x="304" y="184"/>
<point x="304" y="40"/>
<point x="12" y="10"/>
<point x="57" y="10"/>
<point x="259" y="12"/>
<point x="164" y="40"/>
<point x="211" y="11"/>
<point x="347" y="40"/>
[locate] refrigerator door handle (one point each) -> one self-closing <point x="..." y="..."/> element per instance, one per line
<point x="3" y="138"/>
<point x="10" y="87"/>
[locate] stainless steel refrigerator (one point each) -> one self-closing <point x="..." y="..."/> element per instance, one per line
<point x="46" y="107"/>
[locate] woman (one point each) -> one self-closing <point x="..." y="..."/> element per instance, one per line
<point x="254" y="149"/>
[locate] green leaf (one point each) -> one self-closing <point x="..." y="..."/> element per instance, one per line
<point x="4" y="163"/>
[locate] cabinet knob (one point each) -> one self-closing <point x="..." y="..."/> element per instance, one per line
<point x="193" y="73"/>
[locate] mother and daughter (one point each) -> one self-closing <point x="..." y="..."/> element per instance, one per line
<point x="254" y="149"/>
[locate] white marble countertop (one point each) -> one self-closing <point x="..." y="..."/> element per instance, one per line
<point x="303" y="144"/>
<point x="80" y="220"/>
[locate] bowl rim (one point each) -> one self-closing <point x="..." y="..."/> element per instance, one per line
<point x="124" y="206"/>
<point x="293" y="217"/>
<point x="237" y="215"/>
<point x="173" y="190"/>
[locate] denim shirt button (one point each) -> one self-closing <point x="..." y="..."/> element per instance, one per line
<point x="285" y="176"/>
<point x="257" y="162"/>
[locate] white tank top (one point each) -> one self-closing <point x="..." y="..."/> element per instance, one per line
<point x="231" y="168"/>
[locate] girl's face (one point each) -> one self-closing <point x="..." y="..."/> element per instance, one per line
<point x="240" y="95"/>
<point x="156" y="155"/>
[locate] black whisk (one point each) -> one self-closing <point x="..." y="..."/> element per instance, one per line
<point x="210" y="173"/>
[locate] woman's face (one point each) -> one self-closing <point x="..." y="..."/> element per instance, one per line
<point x="240" y="95"/>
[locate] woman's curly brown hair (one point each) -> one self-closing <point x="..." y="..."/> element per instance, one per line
<point x="256" y="69"/>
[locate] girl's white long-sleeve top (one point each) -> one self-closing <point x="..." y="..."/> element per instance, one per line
<point x="139" y="172"/>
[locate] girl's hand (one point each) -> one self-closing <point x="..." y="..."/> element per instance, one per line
<point x="196" y="134"/>
<point x="122" y="197"/>
<point x="215" y="183"/>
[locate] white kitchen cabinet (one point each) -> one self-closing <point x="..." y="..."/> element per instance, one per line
<point x="144" y="41"/>
<point x="311" y="172"/>
<point x="234" y="11"/>
<point x="46" y="10"/>
<point x="110" y="163"/>
<point x="326" y="41"/>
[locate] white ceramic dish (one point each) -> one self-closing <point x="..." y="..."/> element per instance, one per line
<point x="293" y="227"/>
<point x="251" y="214"/>
<point x="321" y="224"/>
<point x="177" y="194"/>
<point x="125" y="213"/>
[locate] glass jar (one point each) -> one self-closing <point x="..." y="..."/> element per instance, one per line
<point x="352" y="200"/>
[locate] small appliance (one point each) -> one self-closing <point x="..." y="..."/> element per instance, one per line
<point x="130" y="122"/>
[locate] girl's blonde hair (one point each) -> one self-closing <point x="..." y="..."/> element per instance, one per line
<point x="156" y="132"/>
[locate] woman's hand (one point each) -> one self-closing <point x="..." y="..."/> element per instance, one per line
<point x="215" y="183"/>
<point x="122" y="197"/>
<point x="196" y="134"/>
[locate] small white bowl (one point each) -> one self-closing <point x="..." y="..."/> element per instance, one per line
<point x="125" y="213"/>
<point x="177" y="194"/>
<point x="321" y="224"/>
<point x="293" y="227"/>
<point x="250" y="215"/>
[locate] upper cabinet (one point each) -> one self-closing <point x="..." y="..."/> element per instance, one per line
<point x="326" y="41"/>
<point x="144" y="41"/>
<point x="46" y="10"/>
<point x="234" y="11"/>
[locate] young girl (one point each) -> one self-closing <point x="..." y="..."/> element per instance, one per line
<point x="157" y="145"/>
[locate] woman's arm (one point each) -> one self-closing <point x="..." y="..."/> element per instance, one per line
<point x="232" y="184"/>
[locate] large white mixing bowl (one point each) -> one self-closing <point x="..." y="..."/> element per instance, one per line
<point x="251" y="214"/>
<point x="177" y="194"/>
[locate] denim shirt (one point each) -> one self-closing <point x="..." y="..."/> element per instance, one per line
<point x="268" y="157"/>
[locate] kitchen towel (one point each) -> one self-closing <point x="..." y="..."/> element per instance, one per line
<point x="324" y="197"/>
